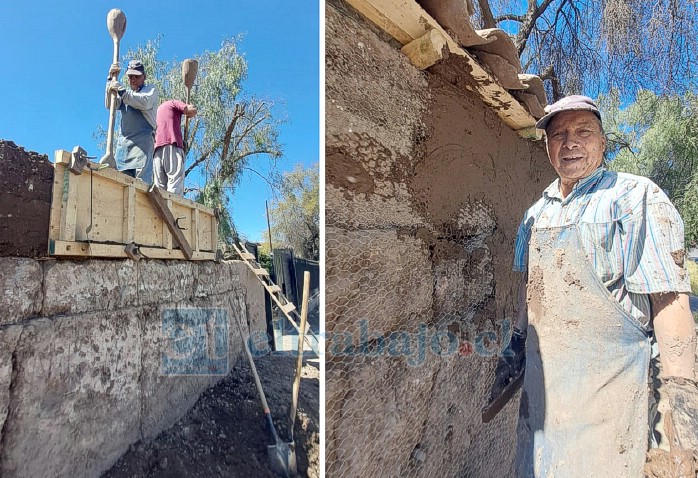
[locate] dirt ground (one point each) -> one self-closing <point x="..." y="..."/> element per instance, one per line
<point x="224" y="434"/>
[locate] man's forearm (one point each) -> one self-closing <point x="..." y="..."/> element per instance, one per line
<point x="675" y="332"/>
<point x="139" y="100"/>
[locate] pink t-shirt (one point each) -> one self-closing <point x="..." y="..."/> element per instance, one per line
<point x="169" y="123"/>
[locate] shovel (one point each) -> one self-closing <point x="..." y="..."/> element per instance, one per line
<point x="116" y="24"/>
<point x="281" y="455"/>
<point x="189" y="69"/>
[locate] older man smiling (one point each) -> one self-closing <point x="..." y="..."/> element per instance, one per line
<point x="604" y="279"/>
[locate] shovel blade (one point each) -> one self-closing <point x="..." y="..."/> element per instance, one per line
<point x="283" y="459"/>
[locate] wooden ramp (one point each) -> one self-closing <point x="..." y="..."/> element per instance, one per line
<point x="104" y="213"/>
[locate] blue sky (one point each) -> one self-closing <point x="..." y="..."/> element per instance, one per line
<point x="56" y="56"/>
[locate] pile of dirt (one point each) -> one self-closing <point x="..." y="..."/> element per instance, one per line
<point x="224" y="434"/>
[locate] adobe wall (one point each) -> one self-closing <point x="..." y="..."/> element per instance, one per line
<point x="425" y="187"/>
<point x="82" y="348"/>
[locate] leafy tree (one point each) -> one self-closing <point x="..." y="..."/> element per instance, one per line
<point x="657" y="137"/>
<point x="295" y="215"/>
<point x="230" y="129"/>
<point x="594" y="46"/>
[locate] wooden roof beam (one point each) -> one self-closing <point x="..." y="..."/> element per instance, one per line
<point x="407" y="22"/>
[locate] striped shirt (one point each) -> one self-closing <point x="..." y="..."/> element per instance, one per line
<point x="632" y="235"/>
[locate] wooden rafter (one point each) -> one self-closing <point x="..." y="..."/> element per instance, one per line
<point x="406" y="21"/>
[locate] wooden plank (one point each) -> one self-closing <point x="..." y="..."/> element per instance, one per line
<point x="260" y="271"/>
<point x="149" y="225"/>
<point x="54" y="227"/>
<point x="62" y="157"/>
<point x="427" y="49"/>
<point x="406" y="21"/>
<point x="87" y="201"/>
<point x="69" y="207"/>
<point x="195" y="229"/>
<point x="98" y="208"/>
<point x="129" y="218"/>
<point x="186" y="203"/>
<point x="95" y="249"/>
<point x="273" y="289"/>
<point x="183" y="217"/>
<point x="247" y="256"/>
<point x="203" y="233"/>
<point x="214" y="233"/>
<point x="288" y="307"/>
<point x="166" y="215"/>
<point x="167" y="239"/>
<point x="389" y="19"/>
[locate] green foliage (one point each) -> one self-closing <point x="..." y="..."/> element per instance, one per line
<point x="295" y="216"/>
<point x="657" y="137"/>
<point x="265" y="260"/>
<point x="230" y="128"/>
<point x="693" y="273"/>
<point x="212" y="195"/>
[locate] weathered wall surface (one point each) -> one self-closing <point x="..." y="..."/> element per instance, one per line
<point x="425" y="189"/>
<point x="81" y="349"/>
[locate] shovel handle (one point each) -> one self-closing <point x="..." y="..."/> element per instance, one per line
<point x="189" y="70"/>
<point x="116" y="24"/>
<point x="299" y="360"/>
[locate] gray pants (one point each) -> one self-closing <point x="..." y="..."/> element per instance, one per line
<point x="168" y="168"/>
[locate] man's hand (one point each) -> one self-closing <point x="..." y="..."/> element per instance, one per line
<point x="114" y="86"/>
<point x="511" y="363"/>
<point x="681" y="429"/>
<point x="114" y="71"/>
<point x="190" y="111"/>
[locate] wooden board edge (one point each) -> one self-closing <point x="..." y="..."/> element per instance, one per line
<point x="93" y="249"/>
<point x="426" y="50"/>
<point x="408" y="16"/>
<point x="63" y="157"/>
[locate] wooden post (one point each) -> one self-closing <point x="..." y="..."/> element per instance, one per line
<point x="129" y="219"/>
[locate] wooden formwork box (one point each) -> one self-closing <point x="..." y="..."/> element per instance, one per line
<point x="99" y="212"/>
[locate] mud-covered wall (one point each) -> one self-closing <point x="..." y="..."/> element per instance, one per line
<point x="425" y="187"/>
<point x="26" y="179"/>
<point x="97" y="354"/>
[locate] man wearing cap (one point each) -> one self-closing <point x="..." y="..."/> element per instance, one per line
<point x="604" y="278"/>
<point x="138" y="106"/>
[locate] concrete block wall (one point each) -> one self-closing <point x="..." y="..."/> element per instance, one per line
<point x="81" y="344"/>
<point x="425" y="187"/>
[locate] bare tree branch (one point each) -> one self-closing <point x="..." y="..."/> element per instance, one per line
<point x="549" y="74"/>
<point x="488" y="19"/>
<point x="262" y="176"/>
<point x="510" y="17"/>
<point x="237" y="114"/>
<point x="200" y="160"/>
<point x="532" y="15"/>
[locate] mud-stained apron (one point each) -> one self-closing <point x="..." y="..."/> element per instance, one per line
<point x="137" y="139"/>
<point x="583" y="409"/>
